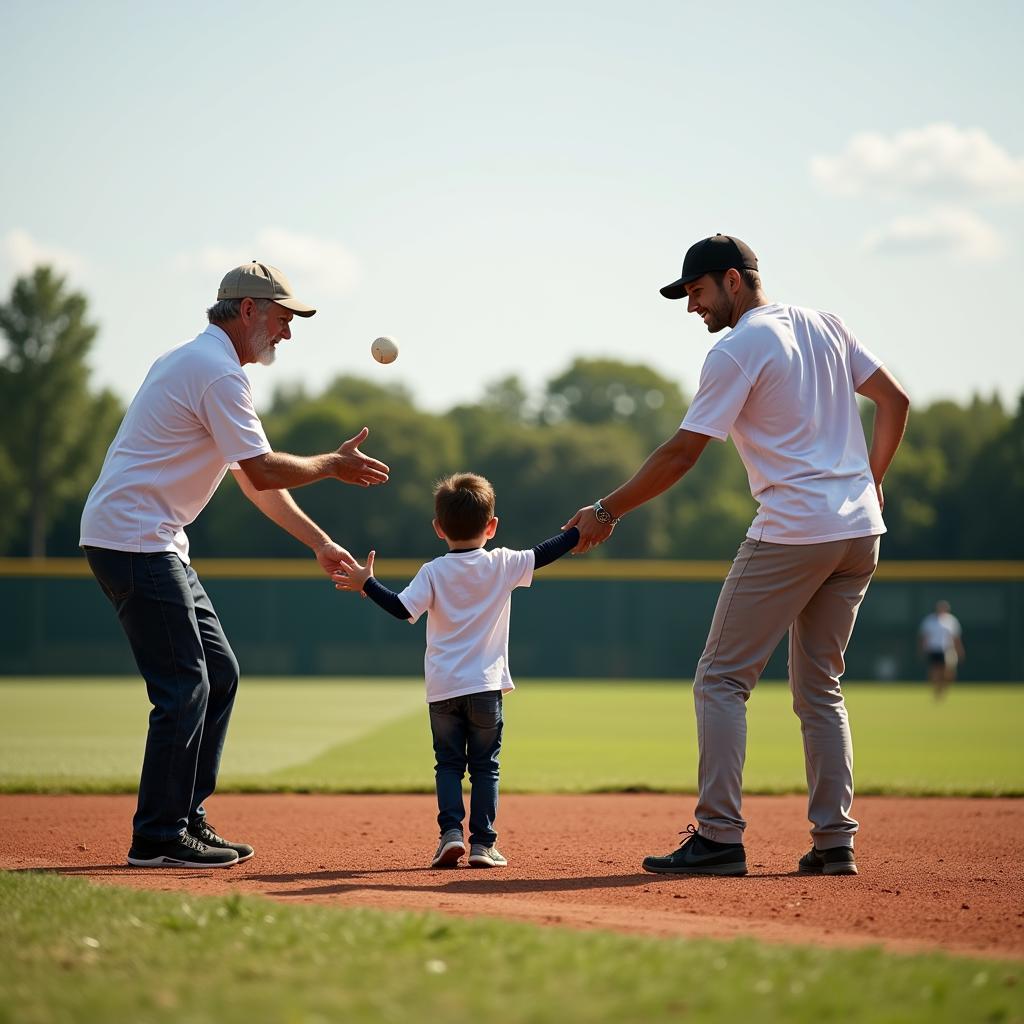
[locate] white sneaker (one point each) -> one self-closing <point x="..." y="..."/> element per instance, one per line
<point x="450" y="850"/>
<point x="481" y="856"/>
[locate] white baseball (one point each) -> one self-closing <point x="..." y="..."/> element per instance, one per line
<point x="384" y="349"/>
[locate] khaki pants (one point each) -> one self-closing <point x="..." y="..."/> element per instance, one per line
<point x="814" y="591"/>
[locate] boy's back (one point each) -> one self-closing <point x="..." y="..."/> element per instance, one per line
<point x="466" y="596"/>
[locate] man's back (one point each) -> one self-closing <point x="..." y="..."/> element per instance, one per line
<point x="192" y="416"/>
<point x="783" y="385"/>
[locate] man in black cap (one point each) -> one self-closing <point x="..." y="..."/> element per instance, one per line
<point x="783" y="384"/>
<point x="191" y="421"/>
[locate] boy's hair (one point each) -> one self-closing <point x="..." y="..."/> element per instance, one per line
<point x="463" y="505"/>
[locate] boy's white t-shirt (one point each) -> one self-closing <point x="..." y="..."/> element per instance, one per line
<point x="192" y="418"/>
<point x="466" y="596"/>
<point x="783" y="384"/>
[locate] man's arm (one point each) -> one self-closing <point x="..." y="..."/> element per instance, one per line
<point x="665" y="466"/>
<point x="279" y="507"/>
<point x="958" y="643"/>
<point x="277" y="470"/>
<point x="892" y="407"/>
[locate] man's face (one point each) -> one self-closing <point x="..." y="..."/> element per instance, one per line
<point x="269" y="327"/>
<point x="710" y="302"/>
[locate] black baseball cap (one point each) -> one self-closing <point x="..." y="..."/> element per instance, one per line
<point x="719" y="252"/>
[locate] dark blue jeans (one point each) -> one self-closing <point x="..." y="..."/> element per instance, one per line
<point x="191" y="676"/>
<point x="467" y="733"/>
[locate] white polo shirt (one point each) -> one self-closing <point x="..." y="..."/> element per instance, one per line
<point x="192" y="418"/>
<point x="782" y="384"/>
<point x="466" y="596"/>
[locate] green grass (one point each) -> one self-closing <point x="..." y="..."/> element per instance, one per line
<point x="70" y="951"/>
<point x="363" y="736"/>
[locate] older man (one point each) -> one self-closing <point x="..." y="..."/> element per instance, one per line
<point x="783" y="384"/>
<point x="192" y="419"/>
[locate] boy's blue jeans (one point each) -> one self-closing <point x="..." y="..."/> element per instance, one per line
<point x="467" y="733"/>
<point x="191" y="676"/>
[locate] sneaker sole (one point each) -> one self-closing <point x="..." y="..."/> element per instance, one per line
<point x="449" y="856"/>
<point x="828" y="869"/>
<point x="172" y="862"/>
<point x="486" y="862"/>
<point x="721" y="870"/>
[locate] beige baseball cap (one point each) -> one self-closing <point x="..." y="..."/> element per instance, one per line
<point x="261" y="281"/>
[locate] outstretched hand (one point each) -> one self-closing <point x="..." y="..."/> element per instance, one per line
<point x="592" y="532"/>
<point x="333" y="557"/>
<point x="354" y="577"/>
<point x="356" y="468"/>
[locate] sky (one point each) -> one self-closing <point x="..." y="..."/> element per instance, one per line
<point x="503" y="190"/>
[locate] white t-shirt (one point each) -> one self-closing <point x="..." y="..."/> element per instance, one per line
<point x="467" y="595"/>
<point x="192" y="418"/>
<point x="782" y="383"/>
<point x="939" y="633"/>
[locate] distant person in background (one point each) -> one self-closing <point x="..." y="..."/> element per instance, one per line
<point x="783" y="383"/>
<point x="941" y="643"/>
<point x="192" y="419"/>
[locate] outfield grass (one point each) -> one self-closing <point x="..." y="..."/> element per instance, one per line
<point x="373" y="736"/>
<point x="70" y="951"/>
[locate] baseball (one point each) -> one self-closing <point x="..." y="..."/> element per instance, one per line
<point x="384" y="350"/>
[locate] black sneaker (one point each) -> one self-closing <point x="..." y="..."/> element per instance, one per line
<point x="205" y="833"/>
<point x="700" y="856"/>
<point x="184" y="852"/>
<point x="837" y="861"/>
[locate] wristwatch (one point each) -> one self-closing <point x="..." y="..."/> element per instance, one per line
<point x="603" y="515"/>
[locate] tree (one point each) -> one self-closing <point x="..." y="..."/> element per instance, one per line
<point x="993" y="492"/>
<point x="609" y="391"/>
<point x="14" y="505"/>
<point x="53" y="430"/>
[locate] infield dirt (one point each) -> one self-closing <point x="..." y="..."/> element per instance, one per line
<point x="935" y="873"/>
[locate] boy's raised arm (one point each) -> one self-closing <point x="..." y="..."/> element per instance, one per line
<point x="553" y="548"/>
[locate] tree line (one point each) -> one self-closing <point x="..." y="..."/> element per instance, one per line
<point x="952" y="493"/>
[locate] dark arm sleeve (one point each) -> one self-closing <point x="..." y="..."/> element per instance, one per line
<point x="387" y="599"/>
<point x="554" y="547"/>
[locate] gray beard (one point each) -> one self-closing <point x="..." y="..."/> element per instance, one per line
<point x="262" y="349"/>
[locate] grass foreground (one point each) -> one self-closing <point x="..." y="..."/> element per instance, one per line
<point x="71" y="951"/>
<point x="354" y="736"/>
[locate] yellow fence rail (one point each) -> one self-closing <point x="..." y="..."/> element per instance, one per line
<point x="565" y="569"/>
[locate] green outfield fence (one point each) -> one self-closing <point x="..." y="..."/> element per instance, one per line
<point x="586" y="618"/>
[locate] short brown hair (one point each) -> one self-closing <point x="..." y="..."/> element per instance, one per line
<point x="464" y="505"/>
<point x="751" y="278"/>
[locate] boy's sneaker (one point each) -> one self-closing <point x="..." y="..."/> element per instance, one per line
<point x="700" y="856"/>
<point x="205" y="833"/>
<point x="450" y="849"/>
<point x="837" y="861"/>
<point x="184" y="852"/>
<point x="481" y="856"/>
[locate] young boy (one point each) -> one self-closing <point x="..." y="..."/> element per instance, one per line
<point x="466" y="595"/>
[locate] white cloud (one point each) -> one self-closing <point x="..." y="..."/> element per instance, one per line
<point x="939" y="160"/>
<point x="315" y="266"/>
<point x="20" y="253"/>
<point x="949" y="231"/>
